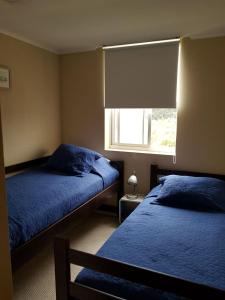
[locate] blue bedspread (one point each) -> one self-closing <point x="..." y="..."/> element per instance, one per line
<point x="40" y="197"/>
<point x="180" y="242"/>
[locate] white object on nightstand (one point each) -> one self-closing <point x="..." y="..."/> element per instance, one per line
<point x="132" y="181"/>
<point x="127" y="205"/>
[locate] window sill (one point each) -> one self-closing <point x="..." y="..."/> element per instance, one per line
<point x="139" y="151"/>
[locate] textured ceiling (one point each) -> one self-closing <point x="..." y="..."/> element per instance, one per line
<point x="65" y="26"/>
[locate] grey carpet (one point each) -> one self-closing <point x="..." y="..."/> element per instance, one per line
<point x="35" y="280"/>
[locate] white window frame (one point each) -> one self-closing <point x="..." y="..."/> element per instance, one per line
<point x="115" y="131"/>
<point x="113" y="145"/>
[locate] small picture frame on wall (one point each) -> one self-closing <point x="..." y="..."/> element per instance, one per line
<point x="4" y="77"/>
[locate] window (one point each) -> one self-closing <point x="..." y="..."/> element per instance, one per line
<point x="140" y="93"/>
<point x="141" y="130"/>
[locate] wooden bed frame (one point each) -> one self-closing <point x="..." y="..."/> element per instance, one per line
<point x="24" y="252"/>
<point x="68" y="290"/>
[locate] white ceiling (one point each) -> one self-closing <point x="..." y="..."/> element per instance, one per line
<point x="65" y="26"/>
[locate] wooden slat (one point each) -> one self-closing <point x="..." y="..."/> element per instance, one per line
<point x="62" y="269"/>
<point x="25" y="165"/>
<point x="153" y="176"/>
<point x="80" y="292"/>
<point x="146" y="276"/>
<point x="119" y="165"/>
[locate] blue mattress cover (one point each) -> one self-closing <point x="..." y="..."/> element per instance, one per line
<point x="38" y="198"/>
<point x="185" y="243"/>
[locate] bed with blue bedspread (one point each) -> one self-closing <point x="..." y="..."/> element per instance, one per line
<point x="178" y="230"/>
<point x="40" y="197"/>
<point x="176" y="241"/>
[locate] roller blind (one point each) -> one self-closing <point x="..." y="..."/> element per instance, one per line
<point x="141" y="77"/>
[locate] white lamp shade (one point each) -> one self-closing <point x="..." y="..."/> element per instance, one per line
<point x="132" y="180"/>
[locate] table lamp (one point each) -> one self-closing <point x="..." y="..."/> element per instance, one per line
<point x="132" y="181"/>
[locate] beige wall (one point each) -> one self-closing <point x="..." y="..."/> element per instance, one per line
<point x="5" y="265"/>
<point x="82" y="101"/>
<point x="201" y="122"/>
<point x="201" y="117"/>
<point x="31" y="121"/>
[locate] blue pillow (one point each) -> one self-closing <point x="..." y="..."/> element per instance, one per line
<point x="199" y="193"/>
<point x="72" y="160"/>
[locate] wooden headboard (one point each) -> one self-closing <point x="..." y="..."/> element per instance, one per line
<point x="156" y="172"/>
<point x="26" y="165"/>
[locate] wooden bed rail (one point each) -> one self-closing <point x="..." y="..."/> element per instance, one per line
<point x="66" y="289"/>
<point x="79" y="291"/>
<point x="26" y="165"/>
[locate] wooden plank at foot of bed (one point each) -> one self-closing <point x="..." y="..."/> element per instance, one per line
<point x="65" y="289"/>
<point x="133" y="273"/>
<point x="79" y="291"/>
<point x="62" y="268"/>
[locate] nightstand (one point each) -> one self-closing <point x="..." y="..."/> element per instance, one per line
<point x="127" y="205"/>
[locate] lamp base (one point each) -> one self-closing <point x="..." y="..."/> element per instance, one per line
<point x="131" y="196"/>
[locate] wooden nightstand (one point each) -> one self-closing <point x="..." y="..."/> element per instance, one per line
<point x="127" y="205"/>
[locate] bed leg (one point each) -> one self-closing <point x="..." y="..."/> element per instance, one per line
<point x="153" y="178"/>
<point x="62" y="268"/>
<point x="120" y="192"/>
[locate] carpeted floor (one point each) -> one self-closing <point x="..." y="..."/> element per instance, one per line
<point x="35" y="280"/>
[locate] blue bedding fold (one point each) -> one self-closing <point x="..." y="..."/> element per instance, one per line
<point x="103" y="168"/>
<point x="181" y="242"/>
<point x="38" y="198"/>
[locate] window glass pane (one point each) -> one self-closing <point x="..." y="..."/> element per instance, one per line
<point x="163" y="130"/>
<point x="116" y="133"/>
<point x="147" y="120"/>
<point x="131" y="124"/>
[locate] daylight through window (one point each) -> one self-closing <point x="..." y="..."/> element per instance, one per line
<point x="149" y="130"/>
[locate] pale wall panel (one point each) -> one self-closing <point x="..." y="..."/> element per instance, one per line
<point x="201" y="121"/>
<point x="31" y="120"/>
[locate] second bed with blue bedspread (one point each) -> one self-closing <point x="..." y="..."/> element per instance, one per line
<point x="182" y="242"/>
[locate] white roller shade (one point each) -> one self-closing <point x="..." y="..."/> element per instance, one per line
<point x="141" y="77"/>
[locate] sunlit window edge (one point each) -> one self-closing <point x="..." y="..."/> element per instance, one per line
<point x="143" y="151"/>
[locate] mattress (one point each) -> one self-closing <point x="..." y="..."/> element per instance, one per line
<point x="39" y="198"/>
<point x="181" y="242"/>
